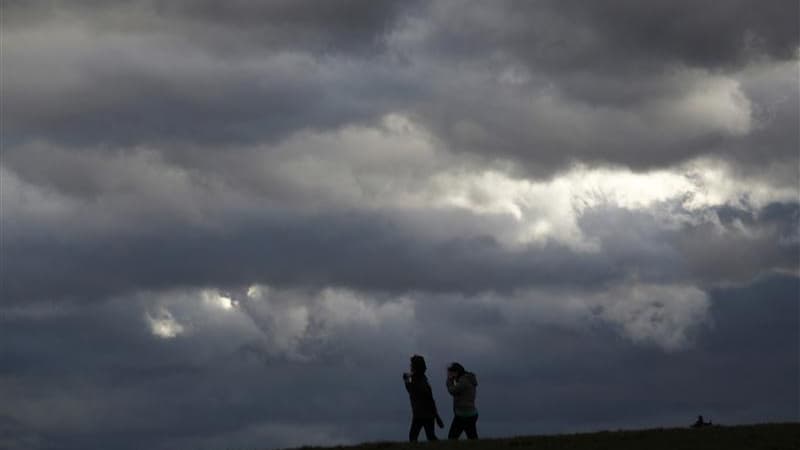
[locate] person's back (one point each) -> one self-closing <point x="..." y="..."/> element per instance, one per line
<point x="423" y="406"/>
<point x="464" y="390"/>
<point x="421" y="396"/>
<point x="463" y="386"/>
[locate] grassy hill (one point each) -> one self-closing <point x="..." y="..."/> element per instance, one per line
<point x="784" y="436"/>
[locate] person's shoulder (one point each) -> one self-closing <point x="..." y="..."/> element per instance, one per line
<point x="422" y="379"/>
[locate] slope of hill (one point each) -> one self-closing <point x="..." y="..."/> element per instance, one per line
<point x="783" y="436"/>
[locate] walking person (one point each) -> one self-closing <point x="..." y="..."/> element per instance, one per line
<point x="462" y="385"/>
<point x="423" y="406"/>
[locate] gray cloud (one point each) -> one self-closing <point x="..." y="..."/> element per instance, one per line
<point x="740" y="251"/>
<point x="703" y="34"/>
<point x="542" y="84"/>
<point x="609" y="71"/>
<point x="376" y="252"/>
<point x="348" y="250"/>
<point x="137" y="90"/>
<point x="731" y="245"/>
<point x="355" y="25"/>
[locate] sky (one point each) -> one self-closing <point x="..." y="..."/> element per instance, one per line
<point x="229" y="224"/>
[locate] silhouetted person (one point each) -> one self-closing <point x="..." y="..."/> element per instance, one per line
<point x="462" y="385"/>
<point x="423" y="407"/>
<point x="699" y="423"/>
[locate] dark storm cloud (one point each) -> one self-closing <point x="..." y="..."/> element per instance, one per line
<point x="621" y="42"/>
<point x="609" y="65"/>
<point x="374" y="252"/>
<point x="121" y="73"/>
<point x="648" y="388"/>
<point x="546" y="122"/>
<point x="736" y="256"/>
<point x="181" y="95"/>
<point x="118" y="388"/>
<point x="709" y="33"/>
<point x="352" y="250"/>
<point x="703" y="33"/>
<point x="350" y="25"/>
<point x="597" y="83"/>
<point x="129" y="373"/>
<point x="735" y="245"/>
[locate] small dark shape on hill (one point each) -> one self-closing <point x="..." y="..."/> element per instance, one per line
<point x="700" y="423"/>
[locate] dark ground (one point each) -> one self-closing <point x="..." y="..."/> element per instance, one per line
<point x="784" y="436"/>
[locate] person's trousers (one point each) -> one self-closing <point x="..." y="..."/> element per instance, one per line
<point x="463" y="424"/>
<point x="417" y="425"/>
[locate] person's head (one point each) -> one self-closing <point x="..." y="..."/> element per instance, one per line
<point x="418" y="365"/>
<point x="455" y="370"/>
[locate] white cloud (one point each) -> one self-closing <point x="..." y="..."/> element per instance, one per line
<point x="647" y="314"/>
<point x="163" y="325"/>
<point x="219" y="300"/>
<point x="296" y="324"/>
<point x="299" y="325"/>
<point x="664" y="315"/>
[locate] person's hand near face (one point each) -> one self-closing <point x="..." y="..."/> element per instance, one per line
<point x="407" y="375"/>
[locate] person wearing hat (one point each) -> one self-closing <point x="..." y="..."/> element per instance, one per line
<point x="423" y="406"/>
<point x="462" y="385"/>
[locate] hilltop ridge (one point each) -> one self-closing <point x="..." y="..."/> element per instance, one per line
<point x="773" y="436"/>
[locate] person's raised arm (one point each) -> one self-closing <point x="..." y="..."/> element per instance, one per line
<point x="407" y="382"/>
<point x="454" y="387"/>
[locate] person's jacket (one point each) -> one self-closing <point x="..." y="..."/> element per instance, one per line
<point x="419" y="392"/>
<point x="463" y="390"/>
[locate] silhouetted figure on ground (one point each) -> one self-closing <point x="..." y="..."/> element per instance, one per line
<point x="462" y="385"/>
<point x="423" y="406"/>
<point x="699" y="423"/>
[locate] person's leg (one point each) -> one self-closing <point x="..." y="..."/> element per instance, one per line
<point x="413" y="433"/>
<point x="430" y="431"/>
<point x="456" y="427"/>
<point x="471" y="428"/>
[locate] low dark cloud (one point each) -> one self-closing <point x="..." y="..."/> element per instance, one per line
<point x="117" y="387"/>
<point x="352" y="250"/>
<point x="374" y="252"/>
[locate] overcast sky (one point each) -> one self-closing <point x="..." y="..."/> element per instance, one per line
<point x="229" y="224"/>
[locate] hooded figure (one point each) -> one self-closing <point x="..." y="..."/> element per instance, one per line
<point x="462" y="385"/>
<point x="423" y="406"/>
